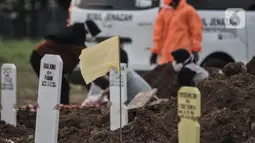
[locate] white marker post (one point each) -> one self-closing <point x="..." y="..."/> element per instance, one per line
<point x="47" y="117"/>
<point x="9" y="94"/>
<point x="115" y="98"/>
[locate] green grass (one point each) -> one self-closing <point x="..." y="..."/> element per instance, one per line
<point x="18" y="53"/>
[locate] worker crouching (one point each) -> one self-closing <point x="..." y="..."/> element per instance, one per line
<point x="99" y="93"/>
<point x="189" y="73"/>
<point x="68" y="44"/>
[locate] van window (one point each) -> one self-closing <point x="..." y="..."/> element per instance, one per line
<point x="117" y="4"/>
<point x="220" y="4"/>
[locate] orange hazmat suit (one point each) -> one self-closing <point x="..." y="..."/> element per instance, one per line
<point x="176" y="28"/>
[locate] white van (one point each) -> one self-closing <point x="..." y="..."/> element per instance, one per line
<point x="133" y="20"/>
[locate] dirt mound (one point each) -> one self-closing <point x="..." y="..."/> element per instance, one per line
<point x="150" y="125"/>
<point x="250" y="140"/>
<point x="226" y="126"/>
<point x="27" y="118"/>
<point x="215" y="73"/>
<point x="164" y="78"/>
<point x="13" y="133"/>
<point x="251" y="66"/>
<point x="77" y="125"/>
<point x="234" y="68"/>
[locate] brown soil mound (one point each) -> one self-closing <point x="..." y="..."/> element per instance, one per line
<point x="251" y="66"/>
<point x="228" y="114"/>
<point x="234" y="68"/>
<point x="13" y="133"/>
<point x="215" y="73"/>
<point x="164" y="78"/>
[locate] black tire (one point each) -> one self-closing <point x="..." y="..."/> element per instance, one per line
<point x="215" y="63"/>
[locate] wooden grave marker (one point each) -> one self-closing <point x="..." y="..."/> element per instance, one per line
<point x="9" y="93"/>
<point x="47" y="117"/>
<point x="115" y="93"/>
<point x="189" y="111"/>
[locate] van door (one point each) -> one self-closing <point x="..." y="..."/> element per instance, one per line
<point x="219" y="39"/>
<point x="250" y="28"/>
<point x="216" y="37"/>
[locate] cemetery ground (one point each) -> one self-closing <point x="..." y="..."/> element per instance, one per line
<point x="227" y="113"/>
<point x="18" y="52"/>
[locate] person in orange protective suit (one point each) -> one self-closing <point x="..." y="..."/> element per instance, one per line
<point x="177" y="25"/>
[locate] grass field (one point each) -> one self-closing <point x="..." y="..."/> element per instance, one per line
<point x="18" y="53"/>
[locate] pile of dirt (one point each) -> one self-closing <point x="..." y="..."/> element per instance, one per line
<point x="26" y="118"/>
<point x="234" y="68"/>
<point x="251" y="66"/>
<point x="13" y="133"/>
<point x="150" y="125"/>
<point x="228" y="109"/>
<point x="164" y="78"/>
<point x="228" y="113"/>
<point x="75" y="124"/>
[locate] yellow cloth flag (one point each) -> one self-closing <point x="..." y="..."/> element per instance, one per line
<point x="96" y="61"/>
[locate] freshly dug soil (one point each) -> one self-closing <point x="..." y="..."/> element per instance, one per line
<point x="164" y="78"/>
<point x="13" y="133"/>
<point x="215" y="73"/>
<point x="228" y="114"/>
<point x="234" y="68"/>
<point x="251" y="66"/>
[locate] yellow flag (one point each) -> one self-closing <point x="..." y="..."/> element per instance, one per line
<point x="99" y="59"/>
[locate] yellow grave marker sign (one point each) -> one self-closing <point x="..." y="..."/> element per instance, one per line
<point x="189" y="110"/>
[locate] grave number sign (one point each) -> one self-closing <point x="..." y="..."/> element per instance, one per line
<point x="48" y="78"/>
<point x="115" y="93"/>
<point x="189" y="110"/>
<point x="8" y="94"/>
<point x="47" y="117"/>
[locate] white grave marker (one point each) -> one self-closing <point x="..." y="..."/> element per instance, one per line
<point x="47" y="117"/>
<point x="9" y="94"/>
<point x="115" y="97"/>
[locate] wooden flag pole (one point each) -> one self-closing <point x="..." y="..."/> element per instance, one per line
<point x="120" y="96"/>
<point x="118" y="114"/>
<point x="120" y="109"/>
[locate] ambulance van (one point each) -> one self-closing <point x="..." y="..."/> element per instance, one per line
<point x="133" y="21"/>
